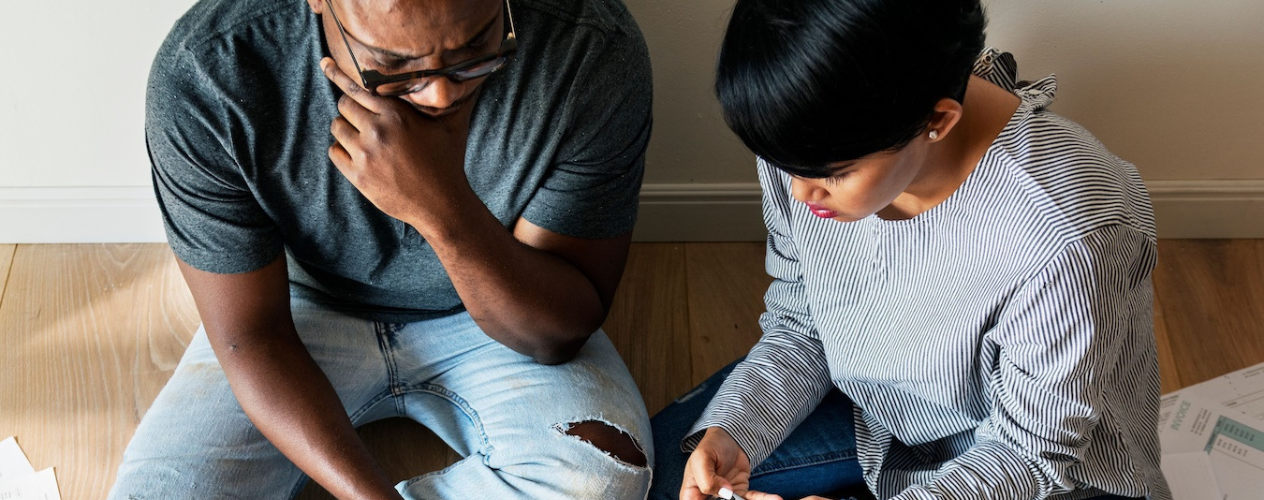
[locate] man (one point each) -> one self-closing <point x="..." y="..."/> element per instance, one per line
<point x="448" y="258"/>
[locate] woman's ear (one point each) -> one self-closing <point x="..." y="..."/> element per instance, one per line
<point x="318" y="6"/>
<point x="943" y="119"/>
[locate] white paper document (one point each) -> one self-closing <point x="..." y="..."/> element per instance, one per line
<point x="41" y="485"/>
<point x="1191" y="477"/>
<point x="1242" y="390"/>
<point x="19" y="481"/>
<point x="13" y="462"/>
<point x="1233" y="443"/>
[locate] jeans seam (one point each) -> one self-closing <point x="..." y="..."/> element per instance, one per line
<point x="462" y="404"/>
<point x="385" y="332"/>
<point x="367" y="406"/>
<point x="808" y="462"/>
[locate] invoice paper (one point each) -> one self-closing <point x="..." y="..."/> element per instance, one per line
<point x="1242" y="390"/>
<point x="1232" y="441"/>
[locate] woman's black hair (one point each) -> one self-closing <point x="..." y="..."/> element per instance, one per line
<point x="807" y="83"/>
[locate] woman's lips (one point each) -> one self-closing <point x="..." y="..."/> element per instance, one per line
<point x="820" y="211"/>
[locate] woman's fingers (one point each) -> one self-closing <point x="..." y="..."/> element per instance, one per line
<point x="701" y="479"/>
<point x="759" y="495"/>
<point x="704" y="473"/>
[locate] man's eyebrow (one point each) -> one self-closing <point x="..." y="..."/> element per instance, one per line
<point x="481" y="33"/>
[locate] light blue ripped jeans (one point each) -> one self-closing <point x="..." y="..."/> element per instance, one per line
<point x="504" y="413"/>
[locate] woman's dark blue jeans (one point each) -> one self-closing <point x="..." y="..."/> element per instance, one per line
<point x="818" y="458"/>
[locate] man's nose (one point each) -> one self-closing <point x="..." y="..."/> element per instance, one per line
<point x="438" y="96"/>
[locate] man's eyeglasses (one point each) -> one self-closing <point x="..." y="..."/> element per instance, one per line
<point x="407" y="83"/>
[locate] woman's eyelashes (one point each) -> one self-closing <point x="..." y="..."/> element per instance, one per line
<point x="837" y="178"/>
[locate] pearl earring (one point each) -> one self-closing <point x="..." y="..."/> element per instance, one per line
<point x="934" y="134"/>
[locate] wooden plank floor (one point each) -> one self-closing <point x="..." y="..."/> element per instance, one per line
<point x="91" y="332"/>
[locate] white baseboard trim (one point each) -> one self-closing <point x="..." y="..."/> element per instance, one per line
<point x="700" y="212"/>
<point x="731" y="212"/>
<point x="1208" y="209"/>
<point x="669" y="212"/>
<point x="126" y="214"/>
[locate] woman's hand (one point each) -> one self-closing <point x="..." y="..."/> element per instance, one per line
<point x="717" y="462"/>
<point x="757" y="495"/>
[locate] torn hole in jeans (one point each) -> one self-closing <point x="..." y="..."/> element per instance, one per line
<point x="608" y="438"/>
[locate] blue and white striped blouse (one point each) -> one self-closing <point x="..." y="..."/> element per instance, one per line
<point x="999" y="345"/>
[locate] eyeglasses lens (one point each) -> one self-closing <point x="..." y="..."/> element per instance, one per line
<point x="480" y="70"/>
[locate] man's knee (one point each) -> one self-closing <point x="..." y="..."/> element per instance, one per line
<point x="605" y="437"/>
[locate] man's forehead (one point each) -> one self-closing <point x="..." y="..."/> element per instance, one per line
<point x="435" y="11"/>
<point x="389" y="23"/>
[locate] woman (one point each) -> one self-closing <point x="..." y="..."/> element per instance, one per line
<point x="962" y="299"/>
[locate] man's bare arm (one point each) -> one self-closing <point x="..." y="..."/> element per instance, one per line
<point x="536" y="291"/>
<point x="276" y="381"/>
<point x="533" y="290"/>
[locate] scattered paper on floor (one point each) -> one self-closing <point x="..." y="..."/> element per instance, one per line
<point x="41" y="485"/>
<point x="13" y="462"/>
<point x="1242" y="390"/>
<point x="1191" y="477"/>
<point x="19" y="481"/>
<point x="1218" y="420"/>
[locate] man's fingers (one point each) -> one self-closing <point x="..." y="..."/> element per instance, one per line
<point x="350" y="87"/>
<point x="342" y="130"/>
<point x="346" y="138"/>
<point x="355" y="113"/>
<point x="339" y="156"/>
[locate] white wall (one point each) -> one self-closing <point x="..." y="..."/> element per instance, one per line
<point x="74" y="90"/>
<point x="1175" y="86"/>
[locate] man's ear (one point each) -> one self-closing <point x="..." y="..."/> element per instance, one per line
<point x="318" y="6"/>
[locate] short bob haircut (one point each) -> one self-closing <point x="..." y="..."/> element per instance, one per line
<point x="807" y="83"/>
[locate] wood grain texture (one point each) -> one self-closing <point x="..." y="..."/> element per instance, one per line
<point x="6" y="259"/>
<point x="726" y="296"/>
<point x="1169" y="376"/>
<point x="649" y="322"/>
<point x="91" y="333"/>
<point x="1212" y="294"/>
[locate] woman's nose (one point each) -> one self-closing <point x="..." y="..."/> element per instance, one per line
<point x="805" y="191"/>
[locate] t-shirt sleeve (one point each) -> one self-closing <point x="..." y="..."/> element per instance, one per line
<point x="594" y="186"/>
<point x="212" y="218"/>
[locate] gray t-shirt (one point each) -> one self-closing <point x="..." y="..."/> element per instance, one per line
<point x="237" y="124"/>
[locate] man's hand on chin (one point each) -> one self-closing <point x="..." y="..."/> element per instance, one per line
<point x="409" y="164"/>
